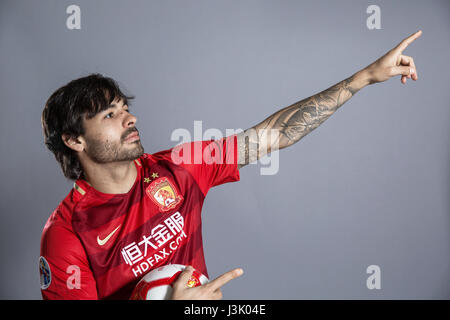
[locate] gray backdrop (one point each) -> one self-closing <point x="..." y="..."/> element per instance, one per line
<point x="368" y="187"/>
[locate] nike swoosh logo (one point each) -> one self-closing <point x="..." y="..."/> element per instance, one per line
<point x="102" y="242"/>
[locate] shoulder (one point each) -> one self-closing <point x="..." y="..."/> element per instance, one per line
<point x="199" y="152"/>
<point x="58" y="227"/>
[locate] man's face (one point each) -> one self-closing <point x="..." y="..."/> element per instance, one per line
<point x="111" y="135"/>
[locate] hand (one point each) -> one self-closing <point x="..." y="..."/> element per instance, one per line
<point x="209" y="291"/>
<point x="394" y="63"/>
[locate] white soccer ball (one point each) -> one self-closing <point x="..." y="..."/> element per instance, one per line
<point x="157" y="284"/>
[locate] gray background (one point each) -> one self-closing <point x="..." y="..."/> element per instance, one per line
<point x="368" y="187"/>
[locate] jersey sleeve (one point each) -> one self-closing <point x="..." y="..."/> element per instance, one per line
<point x="210" y="162"/>
<point x="64" y="267"/>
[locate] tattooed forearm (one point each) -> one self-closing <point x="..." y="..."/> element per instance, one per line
<point x="292" y="123"/>
<point x="299" y="119"/>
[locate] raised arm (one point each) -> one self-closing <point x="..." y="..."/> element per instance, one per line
<point x="290" y="124"/>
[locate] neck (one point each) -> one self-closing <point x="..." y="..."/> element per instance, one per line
<point x="115" y="178"/>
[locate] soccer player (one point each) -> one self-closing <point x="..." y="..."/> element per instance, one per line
<point x="129" y="211"/>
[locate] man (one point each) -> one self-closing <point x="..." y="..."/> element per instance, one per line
<point x="130" y="212"/>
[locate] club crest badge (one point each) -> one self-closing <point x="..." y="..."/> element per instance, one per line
<point x="164" y="194"/>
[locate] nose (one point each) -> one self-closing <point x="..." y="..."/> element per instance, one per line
<point x="129" y="120"/>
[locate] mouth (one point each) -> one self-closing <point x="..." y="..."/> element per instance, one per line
<point x="132" y="137"/>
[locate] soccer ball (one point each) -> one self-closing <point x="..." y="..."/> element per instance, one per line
<point x="157" y="284"/>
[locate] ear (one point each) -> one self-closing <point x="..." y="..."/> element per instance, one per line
<point x="74" y="143"/>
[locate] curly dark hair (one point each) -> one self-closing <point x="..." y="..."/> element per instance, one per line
<point x="65" y="110"/>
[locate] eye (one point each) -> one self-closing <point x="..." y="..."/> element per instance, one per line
<point x="109" y="115"/>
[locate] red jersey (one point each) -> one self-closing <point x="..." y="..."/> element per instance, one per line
<point x="98" y="246"/>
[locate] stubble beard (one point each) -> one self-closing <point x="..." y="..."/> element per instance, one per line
<point x="107" y="152"/>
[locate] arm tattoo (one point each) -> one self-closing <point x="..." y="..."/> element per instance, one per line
<point x="293" y="122"/>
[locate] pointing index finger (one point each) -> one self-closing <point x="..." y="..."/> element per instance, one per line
<point x="402" y="45"/>
<point x="225" y="278"/>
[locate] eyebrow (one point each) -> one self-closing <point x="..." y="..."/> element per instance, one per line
<point x="113" y="105"/>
